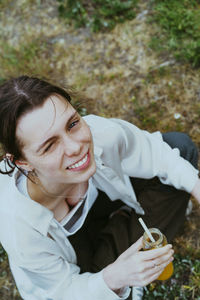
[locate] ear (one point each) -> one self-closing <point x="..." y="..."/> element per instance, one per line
<point x="24" y="165"/>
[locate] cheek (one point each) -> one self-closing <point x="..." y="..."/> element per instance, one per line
<point x="48" y="164"/>
<point x="48" y="169"/>
<point x="86" y="133"/>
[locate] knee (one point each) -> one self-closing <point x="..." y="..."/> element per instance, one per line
<point x="189" y="150"/>
<point x="183" y="142"/>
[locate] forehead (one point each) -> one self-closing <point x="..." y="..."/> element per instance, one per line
<point x="39" y="124"/>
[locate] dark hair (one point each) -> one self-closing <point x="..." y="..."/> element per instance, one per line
<point x="17" y="97"/>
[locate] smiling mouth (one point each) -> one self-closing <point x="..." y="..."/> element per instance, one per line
<point x="81" y="164"/>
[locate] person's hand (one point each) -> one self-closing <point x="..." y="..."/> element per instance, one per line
<point x="137" y="268"/>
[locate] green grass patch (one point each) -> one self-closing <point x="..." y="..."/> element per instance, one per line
<point x="180" y="29"/>
<point x="99" y="15"/>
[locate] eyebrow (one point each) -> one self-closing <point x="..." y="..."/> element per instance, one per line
<point x="53" y="137"/>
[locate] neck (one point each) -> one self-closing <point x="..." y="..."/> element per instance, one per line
<point x="54" y="196"/>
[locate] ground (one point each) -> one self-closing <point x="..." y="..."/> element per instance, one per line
<point x="118" y="70"/>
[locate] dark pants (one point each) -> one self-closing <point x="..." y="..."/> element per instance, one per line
<point x="102" y="239"/>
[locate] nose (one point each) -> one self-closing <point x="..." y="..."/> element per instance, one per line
<point x="72" y="147"/>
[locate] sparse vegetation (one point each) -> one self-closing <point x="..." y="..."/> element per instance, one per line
<point x="180" y="29"/>
<point x="97" y="14"/>
<point x="126" y="79"/>
<point x="184" y="285"/>
<point x="30" y="57"/>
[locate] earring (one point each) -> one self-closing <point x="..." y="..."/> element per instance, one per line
<point x="8" y="162"/>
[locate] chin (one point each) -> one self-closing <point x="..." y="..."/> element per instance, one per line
<point x="90" y="172"/>
<point x="93" y="170"/>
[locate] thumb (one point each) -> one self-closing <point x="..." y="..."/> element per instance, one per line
<point x="134" y="248"/>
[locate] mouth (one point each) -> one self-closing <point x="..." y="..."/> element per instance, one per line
<point x="81" y="164"/>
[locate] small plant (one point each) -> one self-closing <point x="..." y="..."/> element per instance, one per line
<point x="180" y="24"/>
<point x="97" y="14"/>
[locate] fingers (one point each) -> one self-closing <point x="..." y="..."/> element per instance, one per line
<point x="151" y="277"/>
<point x="154" y="253"/>
<point x="149" y="270"/>
<point x="160" y="260"/>
<point x="150" y="254"/>
<point x="139" y="268"/>
<point x="137" y="245"/>
<point x="151" y="274"/>
<point x="157" y="270"/>
<point x="133" y="249"/>
<point x="145" y="277"/>
<point x="164" y="259"/>
<point x="157" y="266"/>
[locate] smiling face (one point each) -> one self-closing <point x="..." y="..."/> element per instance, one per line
<point x="57" y="143"/>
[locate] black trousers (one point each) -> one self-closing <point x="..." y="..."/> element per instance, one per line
<point x="102" y="239"/>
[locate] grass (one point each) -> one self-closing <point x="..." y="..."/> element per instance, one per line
<point x="30" y="58"/>
<point x="179" y="21"/>
<point x="150" y="99"/>
<point x="184" y="284"/>
<point x="99" y="15"/>
<point x="148" y="115"/>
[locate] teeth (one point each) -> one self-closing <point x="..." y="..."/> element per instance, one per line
<point x="80" y="163"/>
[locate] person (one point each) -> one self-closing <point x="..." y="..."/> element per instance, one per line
<point x="76" y="187"/>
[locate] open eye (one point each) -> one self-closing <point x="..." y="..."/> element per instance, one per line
<point x="74" y="123"/>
